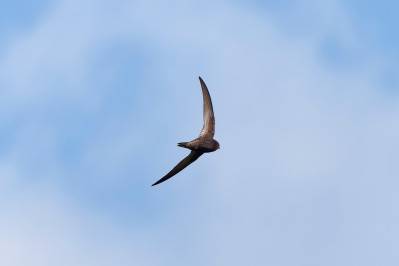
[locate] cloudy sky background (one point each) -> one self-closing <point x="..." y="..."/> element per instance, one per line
<point x="94" y="96"/>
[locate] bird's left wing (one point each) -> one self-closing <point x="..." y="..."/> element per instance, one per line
<point x="194" y="155"/>
<point x="208" y="130"/>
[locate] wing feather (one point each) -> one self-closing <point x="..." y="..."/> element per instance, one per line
<point x="193" y="156"/>
<point x="208" y="129"/>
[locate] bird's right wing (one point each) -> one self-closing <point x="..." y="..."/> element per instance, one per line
<point x="208" y="130"/>
<point x="194" y="155"/>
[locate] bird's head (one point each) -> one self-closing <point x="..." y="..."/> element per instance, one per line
<point x="217" y="145"/>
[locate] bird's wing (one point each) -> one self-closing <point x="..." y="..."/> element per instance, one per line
<point x="208" y="130"/>
<point x="194" y="155"/>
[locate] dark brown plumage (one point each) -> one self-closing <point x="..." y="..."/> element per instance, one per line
<point x="204" y="143"/>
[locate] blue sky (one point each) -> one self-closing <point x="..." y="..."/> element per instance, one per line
<point x="94" y="96"/>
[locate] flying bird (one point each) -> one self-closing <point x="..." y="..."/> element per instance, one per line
<point x="204" y="143"/>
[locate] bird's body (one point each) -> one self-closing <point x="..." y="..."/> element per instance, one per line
<point x="201" y="144"/>
<point x="204" y="143"/>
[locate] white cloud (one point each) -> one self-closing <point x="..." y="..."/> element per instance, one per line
<point x="41" y="226"/>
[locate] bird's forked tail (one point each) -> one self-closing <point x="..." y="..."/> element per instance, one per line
<point x="182" y="144"/>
